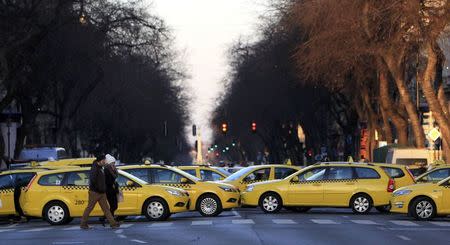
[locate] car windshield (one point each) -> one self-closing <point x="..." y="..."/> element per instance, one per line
<point x="238" y="174"/>
<point x="187" y="175"/>
<point x="435" y="175"/>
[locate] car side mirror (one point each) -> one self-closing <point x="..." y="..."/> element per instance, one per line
<point x="184" y="180"/>
<point x="295" y="179"/>
<point x="130" y="183"/>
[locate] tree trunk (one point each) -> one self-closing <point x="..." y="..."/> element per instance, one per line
<point x="397" y="73"/>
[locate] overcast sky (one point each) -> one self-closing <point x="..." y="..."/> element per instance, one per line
<point x="204" y="30"/>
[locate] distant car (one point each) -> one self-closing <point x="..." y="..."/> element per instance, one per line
<point x="42" y="154"/>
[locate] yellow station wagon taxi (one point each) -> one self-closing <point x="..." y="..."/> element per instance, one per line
<point x="205" y="172"/>
<point x="60" y="195"/>
<point x="423" y="201"/>
<point x="208" y="198"/>
<point x="359" y="186"/>
<point x="259" y="173"/>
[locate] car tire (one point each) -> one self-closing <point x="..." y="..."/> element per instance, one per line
<point x="383" y="209"/>
<point x="270" y="203"/>
<point x="209" y="205"/>
<point x="156" y="209"/>
<point x="423" y="208"/>
<point x="361" y="203"/>
<point x="56" y="213"/>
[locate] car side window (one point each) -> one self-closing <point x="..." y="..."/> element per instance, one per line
<point x="258" y="175"/>
<point x="339" y="173"/>
<point x="209" y="175"/>
<point x="366" y="173"/>
<point x="141" y="173"/>
<point x="166" y="176"/>
<point x="6" y="182"/>
<point x="312" y="174"/>
<point x="281" y="173"/>
<point x="22" y="179"/>
<point x="51" y="179"/>
<point x="77" y="179"/>
<point x="437" y="175"/>
<point x="394" y="172"/>
<point x="122" y="180"/>
<point x="191" y="172"/>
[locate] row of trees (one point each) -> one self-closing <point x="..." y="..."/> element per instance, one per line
<point x="365" y="58"/>
<point x="99" y="75"/>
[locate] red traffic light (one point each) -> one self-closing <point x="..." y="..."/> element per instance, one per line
<point x="253" y="127"/>
<point x="224" y="127"/>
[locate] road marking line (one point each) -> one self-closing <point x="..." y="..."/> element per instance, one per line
<point x="137" y="217"/>
<point x="243" y="222"/>
<point x="344" y="216"/>
<point x="165" y="224"/>
<point x="119" y="231"/>
<point x="404" y="238"/>
<point x="126" y="225"/>
<point x="284" y="222"/>
<point x="67" y="242"/>
<point x="236" y="214"/>
<point x="122" y="236"/>
<point x="440" y="223"/>
<point x="12" y="226"/>
<point x="138" y="241"/>
<point x="419" y="229"/>
<point x="37" y="229"/>
<point x="364" y="222"/>
<point x="72" y="228"/>
<point x="404" y="223"/>
<point x="324" y="221"/>
<point x="202" y="222"/>
<point x="6" y="230"/>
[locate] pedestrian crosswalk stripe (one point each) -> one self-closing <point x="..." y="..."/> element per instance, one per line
<point x="11" y="226"/>
<point x="138" y="241"/>
<point x="440" y="223"/>
<point x="37" y="229"/>
<point x="72" y="228"/>
<point x="284" y="222"/>
<point x="243" y="222"/>
<point x="126" y="225"/>
<point x="6" y="230"/>
<point x="164" y="224"/>
<point x="324" y="221"/>
<point x="364" y="222"/>
<point x="404" y="223"/>
<point x="202" y="222"/>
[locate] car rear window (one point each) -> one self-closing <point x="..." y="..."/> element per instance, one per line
<point x="394" y="172"/>
<point x="366" y="173"/>
<point x="51" y="179"/>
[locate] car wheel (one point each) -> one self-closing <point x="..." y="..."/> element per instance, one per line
<point x="270" y="203"/>
<point x="383" y="209"/>
<point x="361" y="204"/>
<point x="156" y="209"/>
<point x="56" y="213"/>
<point x="209" y="205"/>
<point x="423" y="208"/>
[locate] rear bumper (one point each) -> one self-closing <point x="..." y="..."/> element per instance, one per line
<point x="250" y="199"/>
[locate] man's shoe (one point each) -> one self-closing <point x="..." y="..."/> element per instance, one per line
<point x="115" y="226"/>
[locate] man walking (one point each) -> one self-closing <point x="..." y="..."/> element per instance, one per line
<point x="97" y="190"/>
<point x="19" y="183"/>
<point x="112" y="187"/>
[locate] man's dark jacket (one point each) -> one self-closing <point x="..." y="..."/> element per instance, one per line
<point x="97" y="179"/>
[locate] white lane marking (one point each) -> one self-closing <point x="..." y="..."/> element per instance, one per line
<point x="122" y="236"/>
<point x="419" y="229"/>
<point x="37" y="229"/>
<point x="138" y="241"/>
<point x="126" y="225"/>
<point x="12" y="226"/>
<point x="137" y="217"/>
<point x="284" y="222"/>
<point x="344" y="216"/>
<point x="6" y="230"/>
<point x="404" y="238"/>
<point x="236" y="214"/>
<point x="440" y="223"/>
<point x="364" y="222"/>
<point x="72" y="228"/>
<point x="404" y="223"/>
<point x="202" y="222"/>
<point x="67" y="243"/>
<point x="324" y="221"/>
<point x="243" y="222"/>
<point x="119" y="231"/>
<point x="164" y="224"/>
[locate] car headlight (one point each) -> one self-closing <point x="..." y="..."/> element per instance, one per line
<point x="249" y="188"/>
<point x="227" y="188"/>
<point x="174" y="192"/>
<point x="402" y="192"/>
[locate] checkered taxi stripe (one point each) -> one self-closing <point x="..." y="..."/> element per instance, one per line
<point x="9" y="190"/>
<point x="182" y="186"/>
<point x="252" y="181"/>
<point x="75" y="187"/>
<point x="325" y="181"/>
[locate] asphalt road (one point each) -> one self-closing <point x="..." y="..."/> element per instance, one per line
<point x="243" y="226"/>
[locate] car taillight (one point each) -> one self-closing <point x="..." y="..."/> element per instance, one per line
<point x="391" y="185"/>
<point x="30" y="183"/>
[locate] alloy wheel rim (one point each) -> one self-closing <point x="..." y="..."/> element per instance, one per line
<point x="155" y="210"/>
<point x="208" y="205"/>
<point x="361" y="204"/>
<point x="424" y="209"/>
<point x="56" y="214"/>
<point x="270" y="203"/>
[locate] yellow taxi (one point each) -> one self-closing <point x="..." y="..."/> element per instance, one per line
<point x="208" y="198"/>
<point x="205" y="172"/>
<point x="259" y="173"/>
<point x="358" y="186"/>
<point x="60" y="195"/>
<point x="423" y="201"/>
<point x="435" y="175"/>
<point x="74" y="162"/>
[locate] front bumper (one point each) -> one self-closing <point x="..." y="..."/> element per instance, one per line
<point x="250" y="198"/>
<point x="399" y="205"/>
<point x="231" y="200"/>
<point x="180" y="204"/>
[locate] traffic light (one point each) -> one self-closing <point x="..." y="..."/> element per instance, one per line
<point x="224" y="128"/>
<point x="253" y="127"/>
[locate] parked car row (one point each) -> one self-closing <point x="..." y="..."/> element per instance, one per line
<point x="59" y="193"/>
